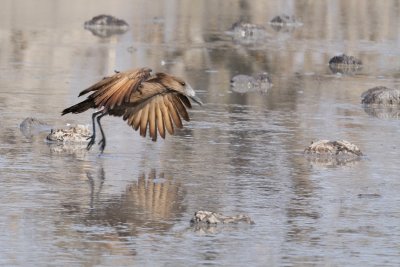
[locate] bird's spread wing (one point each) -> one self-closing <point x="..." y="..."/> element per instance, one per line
<point x="117" y="89"/>
<point x="161" y="112"/>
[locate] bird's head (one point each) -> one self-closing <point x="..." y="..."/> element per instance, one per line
<point x="179" y="85"/>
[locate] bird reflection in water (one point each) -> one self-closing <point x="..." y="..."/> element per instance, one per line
<point x="153" y="203"/>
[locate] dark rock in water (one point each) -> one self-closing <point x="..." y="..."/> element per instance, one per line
<point x="345" y="69"/>
<point x="106" y="26"/>
<point x="71" y="134"/>
<point x="208" y="217"/>
<point x="344" y="64"/>
<point x="244" y="83"/>
<point x="284" y="21"/>
<point x="326" y="148"/>
<point x="31" y="126"/>
<point x="244" y="32"/>
<point x="381" y="95"/>
<point x="344" y="60"/>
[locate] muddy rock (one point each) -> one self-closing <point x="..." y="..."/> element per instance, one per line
<point x="326" y="153"/>
<point x="381" y="95"/>
<point x="284" y="22"/>
<point x="32" y="126"/>
<point x="382" y="102"/>
<point x="244" y="83"/>
<point x="327" y="148"/>
<point x="208" y="217"/>
<point x="244" y="32"/>
<point x="71" y="134"/>
<point x="106" y="26"/>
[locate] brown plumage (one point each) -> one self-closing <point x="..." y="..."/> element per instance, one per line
<point x="146" y="102"/>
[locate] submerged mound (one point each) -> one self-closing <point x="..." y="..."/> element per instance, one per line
<point x="244" y="83"/>
<point x="106" y="25"/>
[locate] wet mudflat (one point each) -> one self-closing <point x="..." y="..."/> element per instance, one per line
<point x="242" y="153"/>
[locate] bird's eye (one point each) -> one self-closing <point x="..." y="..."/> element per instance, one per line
<point x="183" y="83"/>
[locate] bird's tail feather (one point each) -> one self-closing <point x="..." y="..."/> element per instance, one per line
<point x="80" y="107"/>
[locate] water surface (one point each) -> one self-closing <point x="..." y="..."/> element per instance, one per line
<point x="241" y="153"/>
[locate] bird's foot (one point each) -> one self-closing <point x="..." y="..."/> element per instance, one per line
<point x="102" y="144"/>
<point x="91" y="142"/>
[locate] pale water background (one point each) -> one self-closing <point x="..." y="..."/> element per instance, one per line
<point x="241" y="153"/>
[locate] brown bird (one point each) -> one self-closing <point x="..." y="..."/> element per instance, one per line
<point x="143" y="100"/>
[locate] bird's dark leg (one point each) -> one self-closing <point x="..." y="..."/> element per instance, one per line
<point x="102" y="142"/>
<point x="93" y="137"/>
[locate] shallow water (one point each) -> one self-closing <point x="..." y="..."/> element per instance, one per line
<point x="241" y="153"/>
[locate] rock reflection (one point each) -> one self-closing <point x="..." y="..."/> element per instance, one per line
<point x="77" y="150"/>
<point x="383" y="112"/>
<point x="327" y="162"/>
<point x="346" y="70"/>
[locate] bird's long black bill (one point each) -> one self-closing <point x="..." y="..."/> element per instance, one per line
<point x="196" y="99"/>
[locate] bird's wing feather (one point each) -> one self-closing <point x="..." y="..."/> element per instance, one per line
<point x="180" y="108"/>
<point x="160" y="121"/>
<point x="185" y="100"/>
<point x="152" y="121"/>
<point x="106" y="81"/>
<point x="162" y="112"/>
<point x="144" y="120"/>
<point x="117" y="89"/>
<point x="172" y="111"/>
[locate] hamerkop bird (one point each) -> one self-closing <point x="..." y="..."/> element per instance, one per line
<point x="143" y="100"/>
